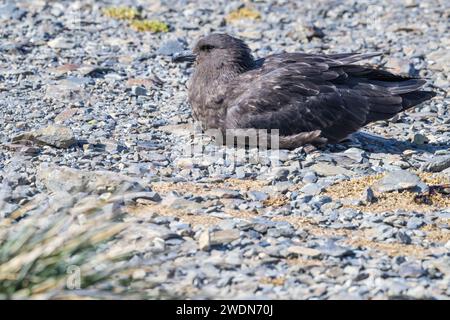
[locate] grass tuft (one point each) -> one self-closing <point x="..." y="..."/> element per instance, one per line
<point x="50" y="252"/>
<point x="133" y="16"/>
<point x="121" y="13"/>
<point x="243" y="13"/>
<point x="154" y="26"/>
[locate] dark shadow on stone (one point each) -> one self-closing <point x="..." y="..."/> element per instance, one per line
<point x="378" y="144"/>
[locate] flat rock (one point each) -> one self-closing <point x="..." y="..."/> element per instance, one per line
<point x="208" y="239"/>
<point x="170" y="47"/>
<point x="226" y="193"/>
<point x="411" y="270"/>
<point x="401" y="66"/>
<point x="330" y="248"/>
<point x="143" y="197"/>
<point x="439" y="60"/>
<point x="397" y="180"/>
<point x="311" y="189"/>
<point x="204" y="241"/>
<point x="65" y="115"/>
<point x="179" y="203"/>
<point x="54" y="136"/>
<point x="57" y="179"/>
<point x="61" y="43"/>
<point x="257" y="195"/>
<point x="304" y="251"/>
<point x="437" y="164"/>
<point x="68" y="89"/>
<point x="326" y="170"/>
<point x="224" y="236"/>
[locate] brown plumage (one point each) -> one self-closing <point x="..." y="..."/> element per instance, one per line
<point x="310" y="98"/>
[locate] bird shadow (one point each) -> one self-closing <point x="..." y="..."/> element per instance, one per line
<point x="376" y="144"/>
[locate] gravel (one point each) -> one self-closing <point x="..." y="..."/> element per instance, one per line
<point x="91" y="108"/>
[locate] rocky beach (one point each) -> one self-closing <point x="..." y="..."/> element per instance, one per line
<point x="107" y="190"/>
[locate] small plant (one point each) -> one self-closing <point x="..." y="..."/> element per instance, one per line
<point x="243" y="13"/>
<point x="42" y="254"/>
<point x="121" y="13"/>
<point x="154" y="26"/>
<point x="135" y="20"/>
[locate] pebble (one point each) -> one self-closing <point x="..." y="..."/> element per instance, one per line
<point x="257" y="195"/>
<point x="138" y="91"/>
<point x="401" y="66"/>
<point x="170" y="47"/>
<point x="311" y="189"/>
<point x="420" y="139"/>
<point x="368" y="196"/>
<point x="415" y="223"/>
<point x="209" y="239"/>
<point x="330" y="248"/>
<point x="411" y="270"/>
<point x="310" y="177"/>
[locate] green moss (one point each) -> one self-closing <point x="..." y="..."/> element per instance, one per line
<point x="154" y="26"/>
<point x="135" y="19"/>
<point x="121" y="13"/>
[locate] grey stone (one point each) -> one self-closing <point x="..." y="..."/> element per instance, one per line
<point x="403" y="237"/>
<point x="138" y="91"/>
<point x="397" y="180"/>
<point x="437" y="164"/>
<point x="61" y="43"/>
<point x="257" y="195"/>
<point x="139" y="197"/>
<point x="171" y="47"/>
<point x="178" y="203"/>
<point x="311" y="189"/>
<point x="204" y="241"/>
<point x="209" y="239"/>
<point x="411" y="270"/>
<point x="419" y="139"/>
<point x="310" y="177"/>
<point x="415" y="223"/>
<point x="57" y="179"/>
<point x="226" y="193"/>
<point x="304" y="251"/>
<point x="368" y="196"/>
<point x="330" y="248"/>
<point x="401" y="66"/>
<point x="439" y="60"/>
<point x="279" y="173"/>
<point x="55" y="136"/>
<point x="326" y="170"/>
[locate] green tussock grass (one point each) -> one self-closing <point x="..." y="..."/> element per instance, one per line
<point x="53" y="251"/>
